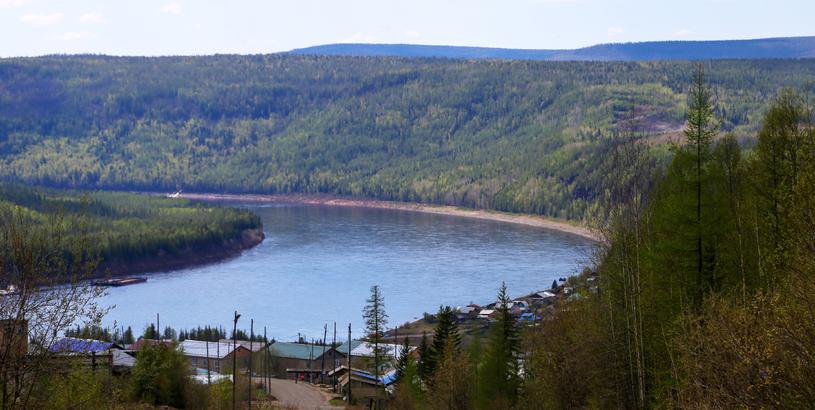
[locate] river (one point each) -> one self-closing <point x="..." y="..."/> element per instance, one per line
<point x="318" y="263"/>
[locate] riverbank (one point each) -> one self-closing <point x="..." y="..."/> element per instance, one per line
<point x="523" y="219"/>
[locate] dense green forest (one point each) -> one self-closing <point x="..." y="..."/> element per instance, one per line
<point x="536" y="137"/>
<point x="123" y="228"/>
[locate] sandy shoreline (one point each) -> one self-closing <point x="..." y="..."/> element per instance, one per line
<point x="529" y="220"/>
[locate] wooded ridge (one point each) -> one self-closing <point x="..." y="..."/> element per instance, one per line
<point x="517" y="136"/>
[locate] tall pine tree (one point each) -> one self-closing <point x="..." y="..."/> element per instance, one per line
<point x="499" y="379"/>
<point x="446" y="329"/>
<point x="375" y="321"/>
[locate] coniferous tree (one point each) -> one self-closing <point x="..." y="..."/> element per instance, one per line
<point x="409" y="394"/>
<point x="699" y="131"/>
<point x="401" y="362"/>
<point x="424" y="355"/>
<point x="127" y="336"/>
<point x="781" y="157"/>
<point x="151" y="333"/>
<point x="500" y="378"/>
<point x="376" y="321"/>
<point x="446" y="329"/>
<point x="450" y="389"/>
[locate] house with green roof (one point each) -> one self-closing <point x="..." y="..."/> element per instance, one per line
<point x="305" y="361"/>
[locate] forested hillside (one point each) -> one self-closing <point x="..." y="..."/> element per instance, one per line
<point x="519" y="136"/>
<point x="782" y="47"/>
<point x="127" y="230"/>
<point x="704" y="297"/>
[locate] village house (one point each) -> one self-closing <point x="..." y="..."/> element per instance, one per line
<point x="215" y="356"/>
<point x="365" y="389"/>
<point x="304" y="360"/>
<point x="468" y="312"/>
<point x="362" y="355"/>
<point x="93" y="352"/>
<point x="546" y="297"/>
<point x="486" y="314"/>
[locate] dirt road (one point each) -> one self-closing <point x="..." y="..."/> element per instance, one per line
<point x="298" y="395"/>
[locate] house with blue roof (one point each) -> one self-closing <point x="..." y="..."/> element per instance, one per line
<point x="366" y="389"/>
<point x="93" y="352"/>
<point x="74" y="345"/>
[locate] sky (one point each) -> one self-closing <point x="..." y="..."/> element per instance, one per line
<point x="187" y="27"/>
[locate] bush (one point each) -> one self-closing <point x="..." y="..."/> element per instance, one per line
<point x="161" y="376"/>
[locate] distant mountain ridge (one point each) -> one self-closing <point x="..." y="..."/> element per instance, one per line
<point x="781" y="47"/>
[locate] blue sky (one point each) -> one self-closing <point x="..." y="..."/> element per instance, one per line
<point x="171" y="27"/>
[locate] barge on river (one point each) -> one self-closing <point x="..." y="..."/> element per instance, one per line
<point x="119" y="281"/>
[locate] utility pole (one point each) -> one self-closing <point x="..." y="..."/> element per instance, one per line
<point x="334" y="346"/>
<point x="209" y="380"/>
<point x="310" y="361"/>
<point x="322" y="370"/>
<point x="158" y="326"/>
<point x="234" y="358"/>
<point x="251" y="352"/>
<point x="265" y="360"/>
<point x="349" y="364"/>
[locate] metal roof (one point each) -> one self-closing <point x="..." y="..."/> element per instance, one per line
<point x="367" y="350"/>
<point x="74" y="345"/>
<point x="386" y="379"/>
<point x="256" y="346"/>
<point x="120" y="358"/>
<point x="343" y="348"/>
<point x="297" y="350"/>
<point x="198" y="348"/>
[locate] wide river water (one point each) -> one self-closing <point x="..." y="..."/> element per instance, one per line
<point x="318" y="263"/>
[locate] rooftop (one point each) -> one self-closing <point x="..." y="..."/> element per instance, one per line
<point x="367" y="350"/>
<point x="74" y="345"/>
<point x="343" y="348"/>
<point x="199" y="348"/>
<point x="302" y="351"/>
<point x="255" y="346"/>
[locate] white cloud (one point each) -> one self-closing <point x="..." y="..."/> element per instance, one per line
<point x="360" y="38"/>
<point x="682" y="33"/>
<point x="92" y="18"/>
<point x="42" y="19"/>
<point x="13" y="3"/>
<point x="412" y="34"/>
<point x="172" y="8"/>
<point x="615" y="31"/>
<point x="76" y="35"/>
